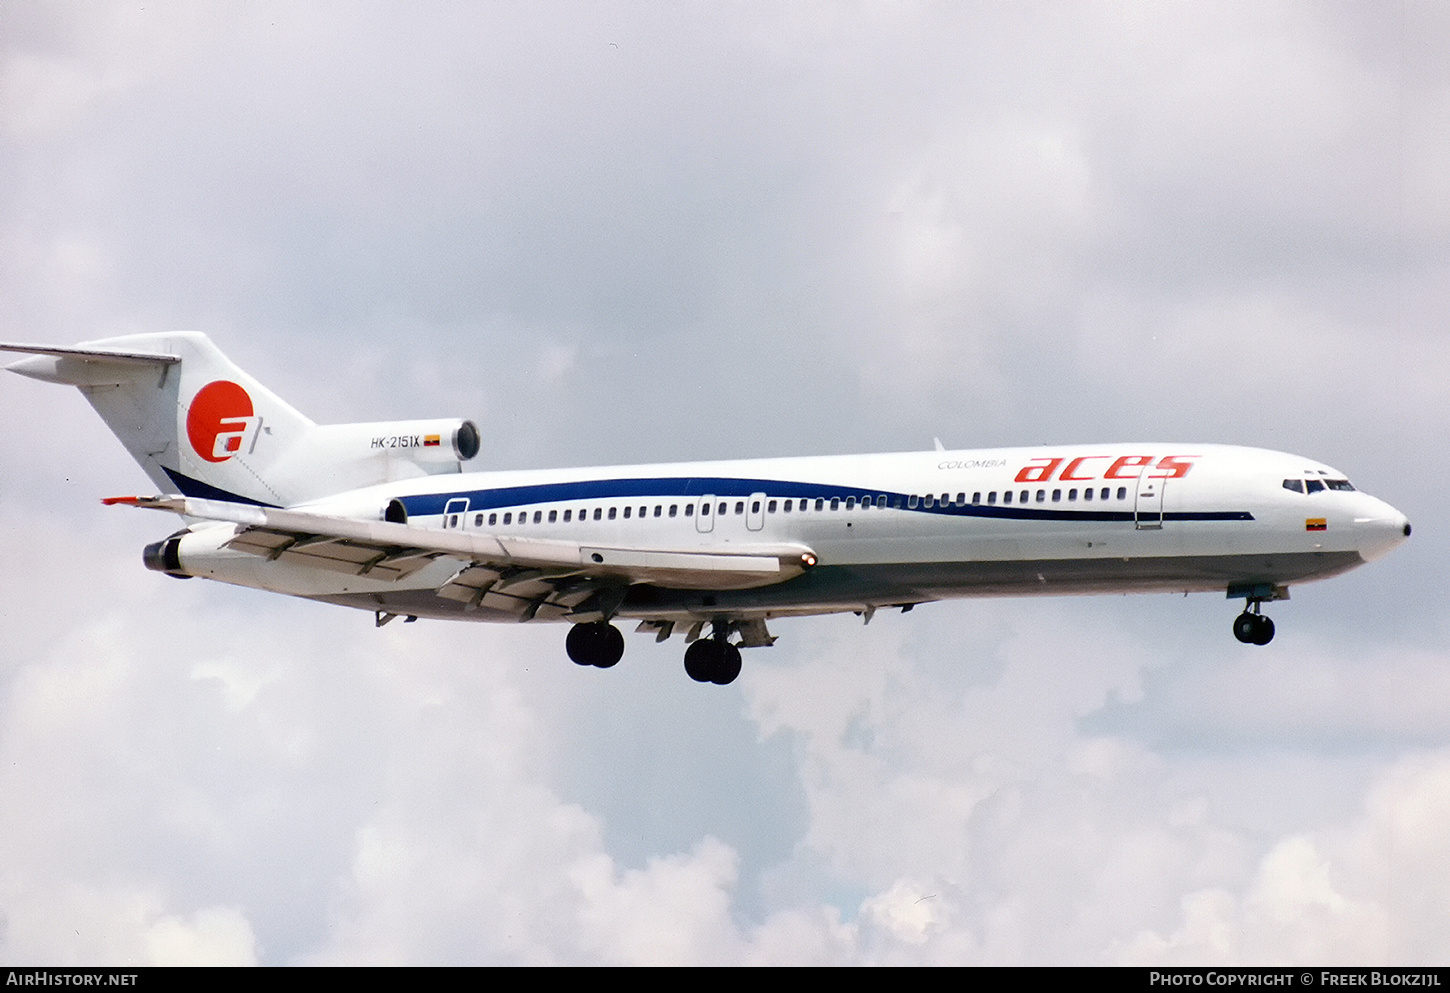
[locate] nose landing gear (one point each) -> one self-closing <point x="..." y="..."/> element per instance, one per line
<point x="1252" y="627"/>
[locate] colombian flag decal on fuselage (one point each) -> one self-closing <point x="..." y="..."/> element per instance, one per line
<point x="1316" y="524"/>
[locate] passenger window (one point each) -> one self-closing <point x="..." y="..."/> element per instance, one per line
<point x="1007" y="496"/>
<point x="911" y="502"/>
<point x="881" y="502"/>
<point x="1122" y="493"/>
<point x="755" y="506"/>
<point x="1072" y="494"/>
<point x="643" y="511"/>
<point x="568" y="515"/>
<point x="820" y="503"/>
<point x="722" y="509"/>
<point x="660" y="510"/>
<point x="596" y="513"/>
<point x="739" y="507"/>
<point x="1313" y="486"/>
<point x="785" y="507"/>
<point x="928" y="500"/>
<point x="835" y="503"/>
<point x="977" y="497"/>
<point x="690" y="510"/>
<point x="1041" y="496"/>
<point x="961" y="499"/>
<point x="627" y="511"/>
<point x="1297" y="485"/>
<point x="851" y="503"/>
<point x="1056" y="496"/>
<point x="492" y="519"/>
<point x="674" y="507"/>
<point x="1104" y="494"/>
<point x="508" y="518"/>
<point x="1087" y="494"/>
<point x="538" y="516"/>
<point x="553" y="516"/>
<point x="612" y="511"/>
<point x="1024" y="496"/>
<point x="770" y="507"/>
<point x="946" y="499"/>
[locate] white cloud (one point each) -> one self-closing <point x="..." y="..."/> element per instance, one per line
<point x="818" y="228"/>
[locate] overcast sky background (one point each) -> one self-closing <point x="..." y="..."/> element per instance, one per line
<point x="649" y="232"/>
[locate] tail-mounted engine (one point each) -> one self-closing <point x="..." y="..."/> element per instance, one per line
<point x="165" y="556"/>
<point x="420" y="442"/>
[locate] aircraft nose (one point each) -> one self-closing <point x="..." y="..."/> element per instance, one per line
<point x="1382" y="527"/>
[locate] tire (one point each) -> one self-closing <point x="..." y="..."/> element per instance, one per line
<point x="1264" y="631"/>
<point x="581" y="644"/>
<point x="1246" y="626"/>
<point x="728" y="665"/>
<point x="701" y="660"/>
<point x="611" y="647"/>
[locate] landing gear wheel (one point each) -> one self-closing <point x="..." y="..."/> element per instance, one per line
<point x="727" y="667"/>
<point x="701" y="660"/>
<point x="1253" y="629"/>
<point x="598" y="644"/>
<point x="1245" y="626"/>
<point x="1264" y="632"/>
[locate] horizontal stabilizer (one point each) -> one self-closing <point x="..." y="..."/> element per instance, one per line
<point x="81" y="366"/>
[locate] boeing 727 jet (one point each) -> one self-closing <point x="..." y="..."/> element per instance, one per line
<point x="383" y="517"/>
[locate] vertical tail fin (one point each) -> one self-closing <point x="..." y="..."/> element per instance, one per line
<point x="194" y="421"/>
<point x="202" y="427"/>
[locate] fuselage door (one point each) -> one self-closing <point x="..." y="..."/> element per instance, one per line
<point x="1148" y="502"/>
<point x="755" y="512"/>
<point x="455" y="511"/>
<point x="705" y="514"/>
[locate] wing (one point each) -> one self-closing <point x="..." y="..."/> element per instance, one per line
<point x="521" y="575"/>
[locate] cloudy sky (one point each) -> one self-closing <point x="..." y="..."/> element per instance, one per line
<point x="647" y="232"/>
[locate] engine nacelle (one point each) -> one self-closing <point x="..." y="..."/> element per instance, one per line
<point x="420" y="442"/>
<point x="165" y="556"/>
<point x="335" y="458"/>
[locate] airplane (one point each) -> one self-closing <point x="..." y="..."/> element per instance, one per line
<point x="383" y="517"/>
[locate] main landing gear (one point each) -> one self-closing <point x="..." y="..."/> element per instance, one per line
<point x="598" y="644"/>
<point x="712" y="660"/>
<point x="707" y="660"/>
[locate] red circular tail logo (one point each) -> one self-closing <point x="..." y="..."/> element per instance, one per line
<point x="220" y="421"/>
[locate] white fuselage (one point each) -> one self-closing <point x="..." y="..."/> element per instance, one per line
<point x="885" y="530"/>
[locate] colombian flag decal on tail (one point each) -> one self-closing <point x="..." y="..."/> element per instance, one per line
<point x="1316" y="524"/>
<point x="431" y="441"/>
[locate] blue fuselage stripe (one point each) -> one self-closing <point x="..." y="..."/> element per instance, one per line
<point x="205" y="491"/>
<point x="730" y="488"/>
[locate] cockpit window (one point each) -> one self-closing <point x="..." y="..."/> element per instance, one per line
<point x="1318" y="485"/>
